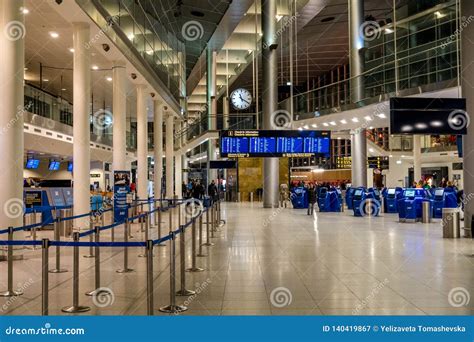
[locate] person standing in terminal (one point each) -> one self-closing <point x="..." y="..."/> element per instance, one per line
<point x="311" y="198"/>
<point x="212" y="191"/>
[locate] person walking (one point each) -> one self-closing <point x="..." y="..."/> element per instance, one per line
<point x="311" y="199"/>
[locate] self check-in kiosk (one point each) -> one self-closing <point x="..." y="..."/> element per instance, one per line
<point x="299" y="197"/>
<point x="443" y="198"/>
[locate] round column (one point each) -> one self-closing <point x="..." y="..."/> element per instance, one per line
<point x="81" y="127"/>
<point x="119" y="116"/>
<point x="169" y="155"/>
<point x="158" y="148"/>
<point x="142" y="143"/>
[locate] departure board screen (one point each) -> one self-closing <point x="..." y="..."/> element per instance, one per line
<point x="278" y="143"/>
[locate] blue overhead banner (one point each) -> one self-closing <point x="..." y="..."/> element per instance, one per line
<point x="241" y="329"/>
<point x="121" y="190"/>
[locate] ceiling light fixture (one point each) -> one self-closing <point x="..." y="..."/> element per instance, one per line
<point x="54" y="34"/>
<point x="71" y="50"/>
<point x="95" y="67"/>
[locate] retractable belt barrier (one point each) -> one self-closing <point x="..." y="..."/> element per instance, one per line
<point x="212" y="222"/>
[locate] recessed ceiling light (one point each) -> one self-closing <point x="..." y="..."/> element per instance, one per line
<point x="71" y="50"/>
<point x="382" y="116"/>
<point x="355" y="120"/>
<point x="300" y="128"/>
<point x="371" y="150"/>
<point x="95" y="67"/>
<point x="332" y="123"/>
<point x="25" y="10"/>
<point x="288" y="83"/>
<point x="367" y="118"/>
<point x="45" y="80"/>
<point x="109" y="79"/>
<point x="305" y="126"/>
<point x="63" y="89"/>
<point x="344" y="121"/>
<point x="314" y="125"/>
<point x="325" y="124"/>
<point x="54" y="34"/>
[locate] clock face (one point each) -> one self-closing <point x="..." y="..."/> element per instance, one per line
<point x="241" y="99"/>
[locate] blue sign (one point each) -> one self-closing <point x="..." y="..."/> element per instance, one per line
<point x="274" y="143"/>
<point x="121" y="190"/>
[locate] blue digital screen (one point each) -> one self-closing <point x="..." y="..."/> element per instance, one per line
<point x="274" y="143"/>
<point x="439" y="193"/>
<point x="32" y="163"/>
<point x="410" y="193"/>
<point x="69" y="166"/>
<point x="54" y="165"/>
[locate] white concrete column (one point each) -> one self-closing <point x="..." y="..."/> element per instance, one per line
<point x="119" y="119"/>
<point x="416" y="158"/>
<point x="169" y="155"/>
<point x="81" y="128"/>
<point x="178" y="175"/>
<point x="359" y="157"/>
<point x="12" y="63"/>
<point x="225" y="112"/>
<point x="158" y="148"/>
<point x="142" y="143"/>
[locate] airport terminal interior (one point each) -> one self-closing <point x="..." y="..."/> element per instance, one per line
<point x="246" y="157"/>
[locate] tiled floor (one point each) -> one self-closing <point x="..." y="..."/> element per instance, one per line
<point x="279" y="262"/>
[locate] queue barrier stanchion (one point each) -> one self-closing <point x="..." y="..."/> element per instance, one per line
<point x="57" y="237"/>
<point x="45" y="277"/>
<point x="200" y="254"/>
<point x="91" y="239"/>
<point x="170" y="209"/>
<point x="173" y="307"/>
<point x="208" y="222"/>
<point x="75" y="307"/>
<point x="213" y="226"/>
<point x="96" y="264"/>
<point x="149" y="277"/>
<point x="10" y="292"/>
<point x="125" y="268"/>
<point x="194" y="267"/>
<point x="182" y="256"/>
<point x="147" y="227"/>
<point x="159" y="227"/>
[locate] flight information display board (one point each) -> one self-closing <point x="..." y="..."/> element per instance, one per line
<point x="278" y="143"/>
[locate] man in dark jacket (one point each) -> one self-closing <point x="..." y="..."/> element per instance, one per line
<point x="212" y="191"/>
<point x="311" y="199"/>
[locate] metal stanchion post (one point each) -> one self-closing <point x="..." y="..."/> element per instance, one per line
<point x="194" y="267"/>
<point x="179" y="214"/>
<point x="97" y="264"/>
<point x="200" y="254"/>
<point x="10" y="292"/>
<point x="159" y="227"/>
<point x="102" y="219"/>
<point x="149" y="277"/>
<point x="125" y="268"/>
<point x="91" y="239"/>
<point x="171" y="218"/>
<point x="75" y="307"/>
<point x="57" y="237"/>
<point x="208" y="234"/>
<point x="213" y="226"/>
<point x="147" y="227"/>
<point x="45" y="277"/>
<point x="173" y="308"/>
<point x="182" y="256"/>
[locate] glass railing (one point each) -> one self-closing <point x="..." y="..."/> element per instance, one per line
<point x="48" y="111"/>
<point x="160" y="48"/>
<point x="425" y="58"/>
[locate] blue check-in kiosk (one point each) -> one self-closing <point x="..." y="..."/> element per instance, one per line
<point x="391" y="197"/>
<point x="443" y="198"/>
<point x="299" y="197"/>
<point x="349" y="197"/>
<point x="336" y="200"/>
<point x="324" y="202"/>
<point x="410" y="205"/>
<point x="358" y="198"/>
